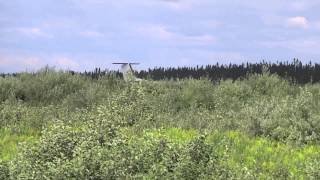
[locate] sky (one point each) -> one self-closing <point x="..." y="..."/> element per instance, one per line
<point x="84" y="34"/>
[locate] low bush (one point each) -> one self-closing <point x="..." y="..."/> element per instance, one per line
<point x="106" y="148"/>
<point x="259" y="128"/>
<point x="4" y="170"/>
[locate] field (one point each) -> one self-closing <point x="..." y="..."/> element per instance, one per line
<point x="57" y="125"/>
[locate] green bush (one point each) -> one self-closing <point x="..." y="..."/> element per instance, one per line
<point x="263" y="128"/>
<point x="51" y="87"/>
<point x="4" y="170"/>
<point x="262" y="105"/>
<point x="111" y="152"/>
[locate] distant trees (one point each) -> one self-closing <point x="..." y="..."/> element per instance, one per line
<point x="97" y="73"/>
<point x="294" y="71"/>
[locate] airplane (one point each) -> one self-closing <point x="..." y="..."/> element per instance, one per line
<point x="128" y="72"/>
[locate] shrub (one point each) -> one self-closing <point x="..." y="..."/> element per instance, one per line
<point x="96" y="129"/>
<point x="4" y="170"/>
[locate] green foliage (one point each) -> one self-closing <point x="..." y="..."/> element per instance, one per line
<point x="72" y="127"/>
<point x="50" y="87"/>
<point x="64" y="152"/>
<point x="4" y="170"/>
<point x="9" y="141"/>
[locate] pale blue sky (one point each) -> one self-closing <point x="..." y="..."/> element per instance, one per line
<point x="83" y="34"/>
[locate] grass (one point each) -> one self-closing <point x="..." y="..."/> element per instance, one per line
<point x="9" y="142"/>
<point x="255" y="155"/>
<point x="259" y="127"/>
<point x="263" y="155"/>
<point x="260" y="156"/>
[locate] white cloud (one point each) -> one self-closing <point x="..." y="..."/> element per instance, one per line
<point x="92" y="34"/>
<point x="65" y="62"/>
<point x="21" y="61"/>
<point x="4" y="61"/>
<point x="11" y="63"/>
<point x="177" y="4"/>
<point x="221" y="56"/>
<point x="211" y="24"/>
<point x="298" y="21"/>
<point x="201" y="40"/>
<point x="289" y="22"/>
<point x="161" y="32"/>
<point x="32" y="61"/>
<point x="199" y="56"/>
<point x="304" y="46"/>
<point x="33" y="32"/>
<point x="156" y="31"/>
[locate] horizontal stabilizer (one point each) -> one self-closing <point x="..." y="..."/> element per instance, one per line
<point x="128" y="63"/>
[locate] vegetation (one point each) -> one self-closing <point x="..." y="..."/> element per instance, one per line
<point x="62" y="125"/>
<point x="295" y="72"/>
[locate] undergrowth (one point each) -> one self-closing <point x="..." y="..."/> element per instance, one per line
<point x="56" y="125"/>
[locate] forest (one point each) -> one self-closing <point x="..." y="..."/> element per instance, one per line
<point x="295" y="71"/>
<point x="253" y="121"/>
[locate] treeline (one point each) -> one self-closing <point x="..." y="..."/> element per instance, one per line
<point x="294" y="71"/>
